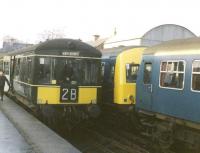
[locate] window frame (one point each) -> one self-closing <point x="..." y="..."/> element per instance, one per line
<point x="174" y="71"/>
<point x="198" y="91"/>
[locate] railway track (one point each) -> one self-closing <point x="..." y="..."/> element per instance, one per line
<point x="106" y="142"/>
<point x="103" y="135"/>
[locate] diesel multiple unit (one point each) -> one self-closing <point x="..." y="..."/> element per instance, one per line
<point x="60" y="75"/>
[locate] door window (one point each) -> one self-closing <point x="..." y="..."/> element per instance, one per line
<point x="147" y="73"/>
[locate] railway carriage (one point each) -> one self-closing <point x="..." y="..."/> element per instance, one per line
<point x="168" y="92"/>
<point x="119" y="70"/>
<point x="56" y="76"/>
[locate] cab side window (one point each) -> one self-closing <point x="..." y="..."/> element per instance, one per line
<point x="131" y="72"/>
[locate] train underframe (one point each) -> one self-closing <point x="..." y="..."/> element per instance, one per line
<point x="166" y="133"/>
<point x="68" y="116"/>
<point x="64" y="115"/>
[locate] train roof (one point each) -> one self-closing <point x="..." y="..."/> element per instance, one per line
<point x="60" y="45"/>
<point x="175" y="47"/>
<point x="113" y="52"/>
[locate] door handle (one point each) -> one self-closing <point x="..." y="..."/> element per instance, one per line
<point x="150" y="87"/>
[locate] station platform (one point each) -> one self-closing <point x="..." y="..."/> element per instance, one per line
<point x="10" y="139"/>
<point x="20" y="132"/>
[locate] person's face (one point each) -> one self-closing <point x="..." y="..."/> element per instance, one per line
<point x="1" y="73"/>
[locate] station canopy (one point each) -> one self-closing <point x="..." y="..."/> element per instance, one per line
<point x="152" y="37"/>
<point x="165" y="32"/>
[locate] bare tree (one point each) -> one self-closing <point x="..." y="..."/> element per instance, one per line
<point x="51" y="34"/>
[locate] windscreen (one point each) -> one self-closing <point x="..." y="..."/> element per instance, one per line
<point x="82" y="71"/>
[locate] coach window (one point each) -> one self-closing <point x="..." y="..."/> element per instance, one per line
<point x="131" y="72"/>
<point x="196" y="75"/>
<point x="6" y="68"/>
<point x="1" y="64"/>
<point x="147" y="73"/>
<point x="172" y="74"/>
<point x="17" y="69"/>
<point x="27" y="69"/>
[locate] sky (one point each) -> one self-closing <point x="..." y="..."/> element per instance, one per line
<point x="26" y="20"/>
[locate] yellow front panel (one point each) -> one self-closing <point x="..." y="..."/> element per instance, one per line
<point x="122" y="89"/>
<point x="87" y="95"/>
<point x="51" y="95"/>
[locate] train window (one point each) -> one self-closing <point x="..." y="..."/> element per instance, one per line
<point x="17" y="69"/>
<point x="172" y="75"/>
<point x="181" y="66"/>
<point x="1" y="64"/>
<point x="196" y="75"/>
<point x="82" y="71"/>
<point x="27" y="73"/>
<point x="6" y="68"/>
<point x="164" y="66"/>
<point x="103" y="68"/>
<point x="112" y="72"/>
<point x="131" y="72"/>
<point x="147" y="73"/>
<point x="22" y="72"/>
<point x="90" y="72"/>
<point x="44" y="70"/>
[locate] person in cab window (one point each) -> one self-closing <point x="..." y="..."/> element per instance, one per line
<point x="3" y="79"/>
<point x="67" y="73"/>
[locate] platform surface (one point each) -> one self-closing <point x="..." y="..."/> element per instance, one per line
<point x="32" y="136"/>
<point x="11" y="141"/>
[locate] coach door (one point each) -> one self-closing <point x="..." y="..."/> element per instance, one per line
<point x="147" y="87"/>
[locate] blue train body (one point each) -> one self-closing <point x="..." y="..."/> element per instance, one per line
<point x="168" y="91"/>
<point x="180" y="103"/>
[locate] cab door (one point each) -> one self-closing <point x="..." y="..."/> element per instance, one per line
<point x="6" y="69"/>
<point x="108" y="81"/>
<point x="145" y="86"/>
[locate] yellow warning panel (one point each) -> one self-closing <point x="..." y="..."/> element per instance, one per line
<point x="87" y="95"/>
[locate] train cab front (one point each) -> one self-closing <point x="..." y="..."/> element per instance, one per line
<point x="75" y="87"/>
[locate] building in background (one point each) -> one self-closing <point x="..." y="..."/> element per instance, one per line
<point x="10" y="44"/>
<point x="98" y="42"/>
